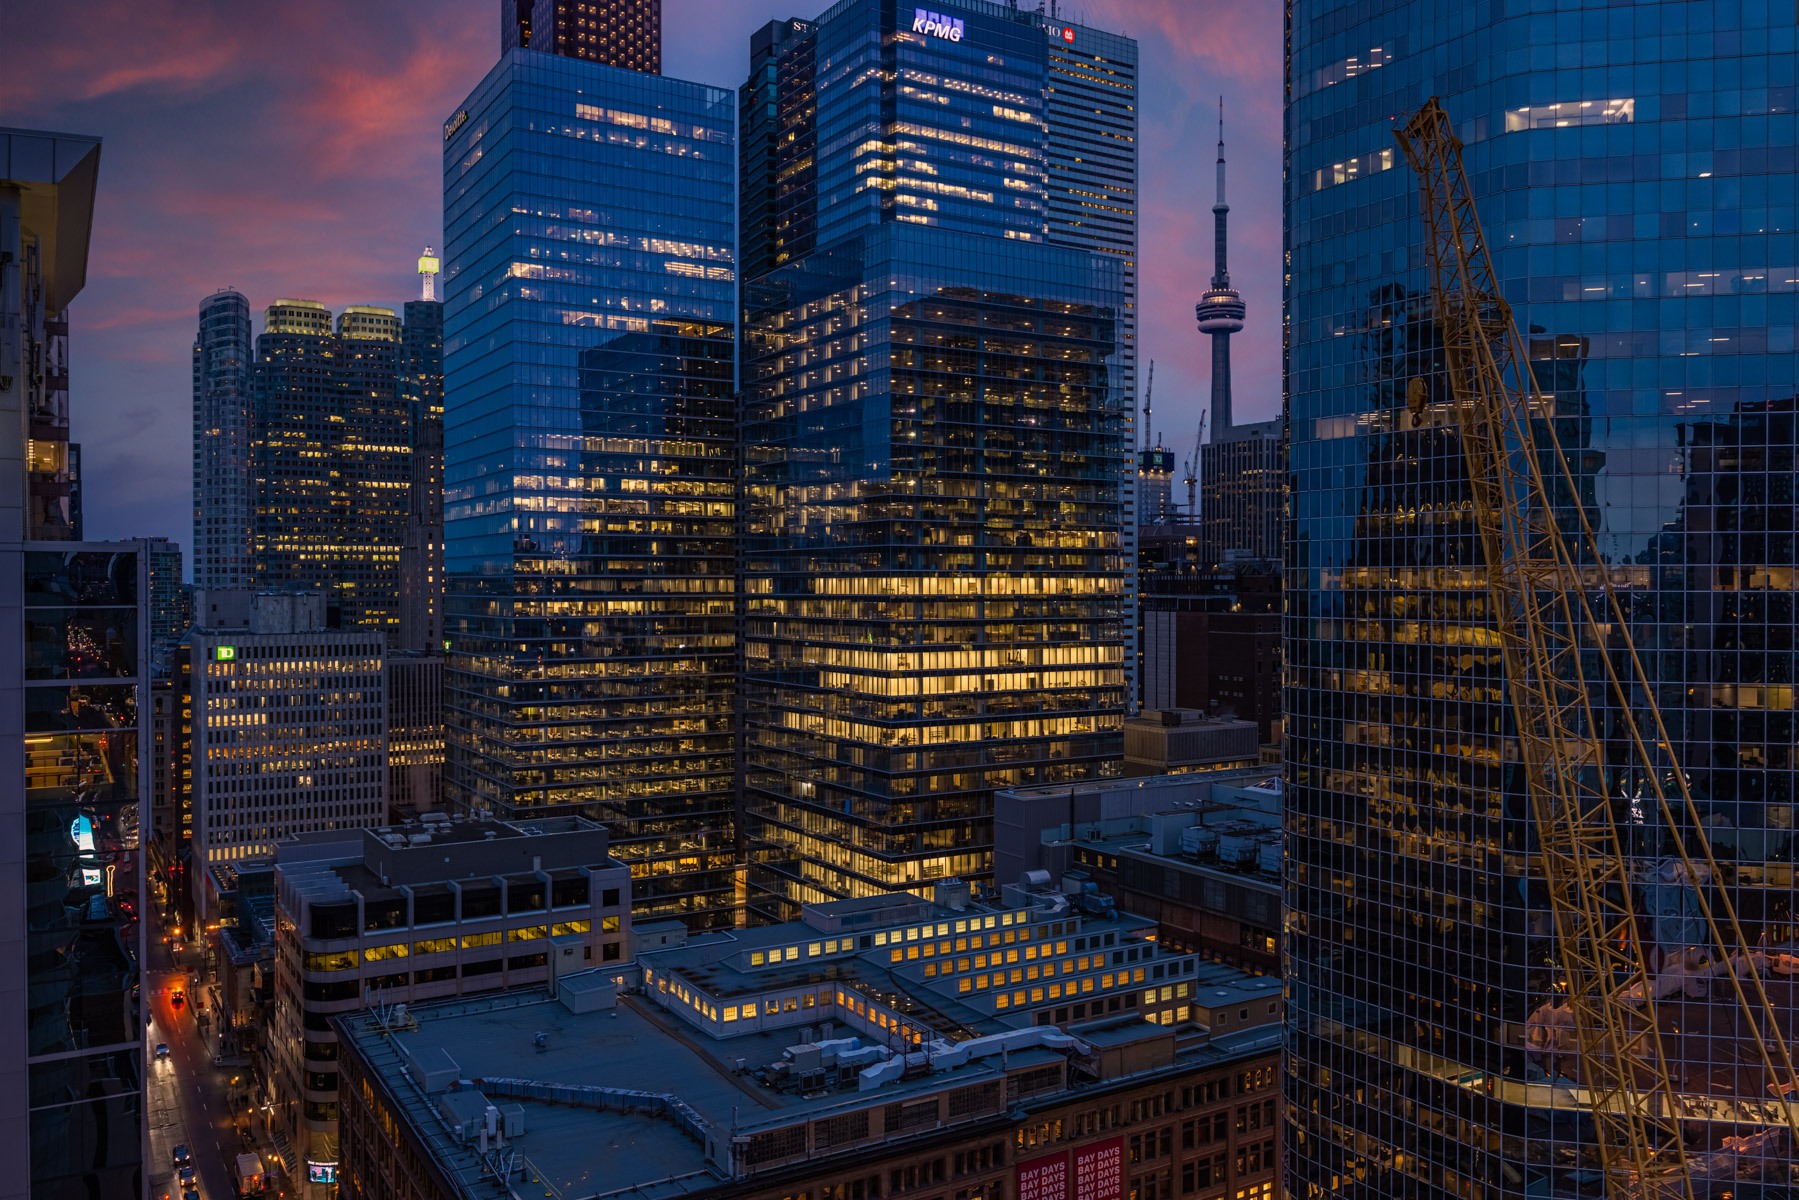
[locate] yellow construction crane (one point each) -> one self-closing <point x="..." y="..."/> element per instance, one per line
<point x="1567" y="649"/>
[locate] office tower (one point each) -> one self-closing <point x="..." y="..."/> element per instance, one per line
<point x="333" y="448"/>
<point x="167" y="599"/>
<point x="515" y="25"/>
<point x="618" y="33"/>
<point x="1240" y="483"/>
<point x="415" y="733"/>
<point x="1638" y="230"/>
<point x="293" y="717"/>
<point x="421" y="912"/>
<point x="589" y="462"/>
<point x="762" y="149"/>
<point x="73" y="723"/>
<point x="177" y="860"/>
<point x="224" y="425"/>
<point x="1090" y="153"/>
<point x="932" y="557"/>
<point x="421" y="390"/>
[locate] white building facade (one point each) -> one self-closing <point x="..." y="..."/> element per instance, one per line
<point x="289" y="726"/>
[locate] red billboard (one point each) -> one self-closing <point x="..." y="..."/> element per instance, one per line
<point x="1099" y="1171"/>
<point x="1043" y="1178"/>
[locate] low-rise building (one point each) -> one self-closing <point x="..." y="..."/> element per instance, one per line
<point x="1174" y="741"/>
<point x="436" y="908"/>
<point x="1198" y="855"/>
<point x="906" y="969"/>
<point x="591" y="1093"/>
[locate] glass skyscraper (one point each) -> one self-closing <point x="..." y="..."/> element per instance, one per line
<point x="589" y="464"/>
<point x="422" y="550"/>
<point x="1090" y="184"/>
<point x="72" y="675"/>
<point x="933" y="572"/>
<point x="224" y="457"/>
<point x="1634" y="167"/>
<point x="333" y="445"/>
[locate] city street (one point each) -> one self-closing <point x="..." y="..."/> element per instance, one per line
<point x="187" y="1094"/>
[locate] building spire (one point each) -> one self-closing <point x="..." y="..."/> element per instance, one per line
<point x="1220" y="311"/>
<point x="1221" y="275"/>
<point x="428" y="267"/>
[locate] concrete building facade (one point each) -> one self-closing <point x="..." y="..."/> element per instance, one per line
<point x="398" y="915"/>
<point x="289" y="726"/>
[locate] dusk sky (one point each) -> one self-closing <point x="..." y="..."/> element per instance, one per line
<point x="294" y="150"/>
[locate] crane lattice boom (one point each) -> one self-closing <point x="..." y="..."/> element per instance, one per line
<point x="1567" y="649"/>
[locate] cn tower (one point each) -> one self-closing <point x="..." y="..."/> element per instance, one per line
<point x="1220" y="310"/>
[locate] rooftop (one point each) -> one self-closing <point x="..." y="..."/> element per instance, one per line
<point x="436" y="849"/>
<point x="1151" y="789"/>
<point x="582" y="1084"/>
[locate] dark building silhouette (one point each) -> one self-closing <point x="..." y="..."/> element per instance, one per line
<point x="618" y="33"/>
<point x="422" y="548"/>
<point x="765" y="149"/>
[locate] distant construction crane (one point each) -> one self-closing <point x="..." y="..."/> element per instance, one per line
<point x="1193" y="472"/>
<point x="1149" y="396"/>
<point x="1565" y="640"/>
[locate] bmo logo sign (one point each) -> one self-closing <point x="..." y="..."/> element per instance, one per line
<point x="936" y="24"/>
<point x="1068" y="36"/>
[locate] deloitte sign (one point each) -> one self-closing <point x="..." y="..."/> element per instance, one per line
<point x="936" y="24"/>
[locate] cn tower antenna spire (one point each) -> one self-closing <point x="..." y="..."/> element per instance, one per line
<point x="1220" y="311"/>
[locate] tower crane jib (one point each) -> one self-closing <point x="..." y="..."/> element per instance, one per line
<point x="1565" y="639"/>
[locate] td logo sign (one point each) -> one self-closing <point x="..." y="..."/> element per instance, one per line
<point x="936" y="24"/>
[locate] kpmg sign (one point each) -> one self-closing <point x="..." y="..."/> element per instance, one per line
<point x="936" y="24"/>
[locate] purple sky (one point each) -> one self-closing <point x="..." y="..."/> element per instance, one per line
<point x="294" y="150"/>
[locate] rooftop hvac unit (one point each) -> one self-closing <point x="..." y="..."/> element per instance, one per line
<point x="512" y="1118"/>
<point x="1269" y="859"/>
<point x="1199" y="841"/>
<point x="951" y="893"/>
<point x="1238" y="848"/>
<point x="418" y="839"/>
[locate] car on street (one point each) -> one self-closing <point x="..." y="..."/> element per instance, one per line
<point x="162" y="1049"/>
<point x="182" y="1156"/>
<point x="187" y="1175"/>
<point x="190" y="1194"/>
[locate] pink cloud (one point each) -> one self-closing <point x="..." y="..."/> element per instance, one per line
<point x="295" y="150"/>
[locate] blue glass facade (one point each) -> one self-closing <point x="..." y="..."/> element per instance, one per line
<point x="914" y="126"/>
<point x="589" y="343"/>
<point x="933" y="580"/>
<point x="1634" y="166"/>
